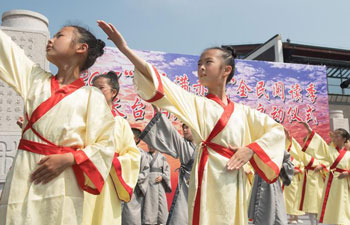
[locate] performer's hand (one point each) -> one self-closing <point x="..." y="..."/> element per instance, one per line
<point x="343" y="175"/>
<point x="306" y="125"/>
<point x="159" y="179"/>
<point x="242" y="156"/>
<point x="20" y="121"/>
<point x="113" y="34"/>
<point x="296" y="172"/>
<point x="51" y="166"/>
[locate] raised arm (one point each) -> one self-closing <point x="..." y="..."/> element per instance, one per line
<point x="15" y="66"/>
<point x="115" y="36"/>
<point x="162" y="135"/>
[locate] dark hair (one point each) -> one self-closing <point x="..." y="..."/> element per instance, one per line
<point x="343" y="133"/>
<point x="113" y="81"/>
<point x="136" y="133"/>
<point x="228" y="55"/>
<point x="95" y="48"/>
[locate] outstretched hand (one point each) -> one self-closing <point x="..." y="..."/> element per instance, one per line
<point x="242" y="156"/>
<point x="113" y="34"/>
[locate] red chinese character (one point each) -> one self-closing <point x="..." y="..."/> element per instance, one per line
<point x="295" y="93"/>
<point x="243" y="89"/>
<point x="199" y="89"/>
<point x="261" y="108"/>
<point x="183" y="82"/>
<point x="261" y="90"/>
<point x="278" y="114"/>
<point x="138" y="109"/>
<point x="311" y="92"/>
<point x="309" y="114"/>
<point x="116" y="106"/>
<point x="278" y="90"/>
<point x="293" y="114"/>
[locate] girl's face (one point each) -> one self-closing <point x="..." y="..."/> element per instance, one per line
<point x="62" y="46"/>
<point x="338" y="139"/>
<point x="211" y="69"/>
<point x="187" y="132"/>
<point x="103" y="84"/>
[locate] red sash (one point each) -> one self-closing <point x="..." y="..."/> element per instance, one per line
<point x="330" y="179"/>
<point x="220" y="125"/>
<point x="57" y="94"/>
<point x="307" y="168"/>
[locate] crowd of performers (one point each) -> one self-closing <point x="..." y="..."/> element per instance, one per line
<point x="78" y="163"/>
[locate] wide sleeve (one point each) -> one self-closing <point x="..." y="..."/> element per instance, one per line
<point x="162" y="135"/>
<point x="93" y="162"/>
<point x="267" y="139"/>
<point x="307" y="160"/>
<point x="317" y="147"/>
<point x="142" y="181"/>
<point x="16" y="69"/>
<point x="170" y="97"/>
<point x="126" y="161"/>
<point x="166" y="181"/>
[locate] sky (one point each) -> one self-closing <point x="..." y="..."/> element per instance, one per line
<point x="189" y="26"/>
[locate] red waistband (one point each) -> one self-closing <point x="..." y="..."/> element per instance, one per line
<point x="341" y="170"/>
<point x="43" y="149"/>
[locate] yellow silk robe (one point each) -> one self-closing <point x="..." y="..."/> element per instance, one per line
<point x="106" y="207"/>
<point x="75" y="121"/>
<point x="292" y="192"/>
<point x="310" y="192"/>
<point x="223" y="196"/>
<point x="336" y="210"/>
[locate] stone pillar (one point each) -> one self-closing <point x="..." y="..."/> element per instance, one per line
<point x="30" y="31"/>
<point x="337" y="120"/>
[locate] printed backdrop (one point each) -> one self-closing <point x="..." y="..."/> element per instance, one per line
<point x="289" y="93"/>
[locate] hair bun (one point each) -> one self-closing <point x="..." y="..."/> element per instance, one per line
<point x="231" y="50"/>
<point x="100" y="46"/>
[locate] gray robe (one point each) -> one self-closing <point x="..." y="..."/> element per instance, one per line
<point x="161" y="135"/>
<point x="132" y="211"/>
<point x="155" y="210"/>
<point x="266" y="205"/>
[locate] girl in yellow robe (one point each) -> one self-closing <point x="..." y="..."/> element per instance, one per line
<point x="227" y="134"/>
<point x="335" y="204"/>
<point x="310" y="193"/>
<point x="106" y="207"/>
<point x="67" y="142"/>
